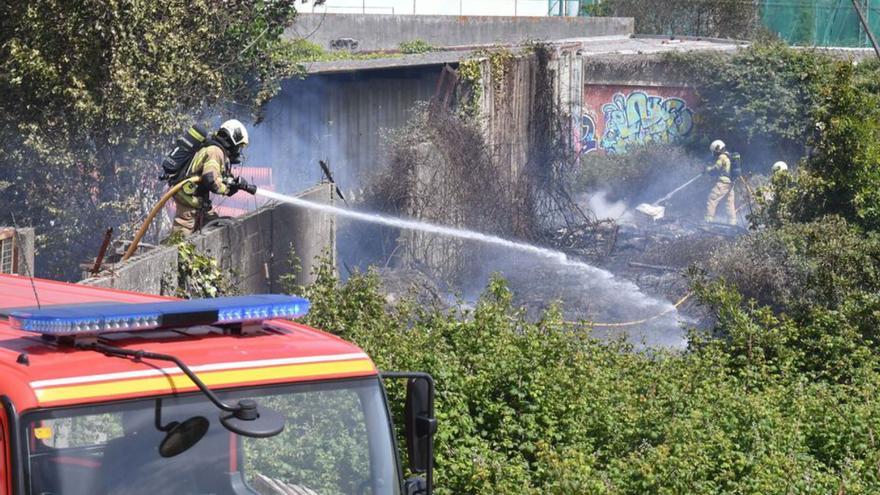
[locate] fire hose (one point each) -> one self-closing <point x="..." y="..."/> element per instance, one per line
<point x="644" y="320"/>
<point x="156" y="209"/>
<point x="631" y="323"/>
<point x="635" y="322"/>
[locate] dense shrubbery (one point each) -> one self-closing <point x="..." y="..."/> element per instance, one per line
<point x="842" y="174"/>
<point x="761" y="100"/>
<point x="781" y="398"/>
<point x="717" y="18"/>
<point x="801" y="266"/>
<point x="544" y="408"/>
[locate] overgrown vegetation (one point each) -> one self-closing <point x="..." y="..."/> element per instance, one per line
<point x="840" y="175"/>
<point x="445" y="169"/>
<point x="437" y="170"/>
<point x="543" y="408"/>
<point x="198" y="275"/>
<point x="761" y="101"/>
<point x="304" y="51"/>
<point x="415" y="47"/>
<point x="713" y="18"/>
<point x="781" y="396"/>
<point x="90" y="92"/>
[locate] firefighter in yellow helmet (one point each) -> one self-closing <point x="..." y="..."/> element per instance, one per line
<point x="213" y="164"/>
<point x="723" y="189"/>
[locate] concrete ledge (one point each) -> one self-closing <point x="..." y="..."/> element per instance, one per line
<point x="253" y="248"/>
<point x="384" y="32"/>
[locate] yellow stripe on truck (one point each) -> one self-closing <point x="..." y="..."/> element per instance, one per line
<point x="178" y="383"/>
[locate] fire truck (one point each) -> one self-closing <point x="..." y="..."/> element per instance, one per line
<point x="112" y="392"/>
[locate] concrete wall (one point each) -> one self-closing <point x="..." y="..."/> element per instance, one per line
<point x="253" y="247"/>
<point x="632" y="101"/>
<point x="377" y="32"/>
<point x="447" y="7"/>
<point x="507" y="105"/>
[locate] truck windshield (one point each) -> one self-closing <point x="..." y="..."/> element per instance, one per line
<point x="337" y="440"/>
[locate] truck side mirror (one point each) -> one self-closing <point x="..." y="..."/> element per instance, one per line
<point x="419" y="424"/>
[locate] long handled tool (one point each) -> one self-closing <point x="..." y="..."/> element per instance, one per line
<point x="653" y="210"/>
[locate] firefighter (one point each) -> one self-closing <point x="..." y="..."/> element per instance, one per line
<point x="779" y="177"/>
<point x="212" y="164"/>
<point x="723" y="189"/>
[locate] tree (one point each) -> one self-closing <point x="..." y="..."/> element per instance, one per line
<point x="715" y="18"/>
<point x="91" y="90"/>
<point x="841" y="174"/>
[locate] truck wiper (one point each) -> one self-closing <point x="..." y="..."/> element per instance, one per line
<point x="246" y="418"/>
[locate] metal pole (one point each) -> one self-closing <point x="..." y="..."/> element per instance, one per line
<point x="867" y="27"/>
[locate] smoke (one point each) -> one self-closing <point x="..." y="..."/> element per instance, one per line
<point x="301" y="126"/>
<point x="604" y="208"/>
<point x="298" y="129"/>
<point x="594" y="295"/>
<point x="542" y="276"/>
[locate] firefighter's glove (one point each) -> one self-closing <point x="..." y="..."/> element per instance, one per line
<point x="232" y="185"/>
<point x="236" y="184"/>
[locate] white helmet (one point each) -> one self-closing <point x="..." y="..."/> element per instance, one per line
<point x="717" y="146"/>
<point x="235" y="132"/>
<point x="780" y="167"/>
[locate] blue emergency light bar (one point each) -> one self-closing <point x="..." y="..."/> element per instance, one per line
<point x="92" y="319"/>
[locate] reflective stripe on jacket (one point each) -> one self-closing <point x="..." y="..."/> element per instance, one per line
<point x="721" y="167"/>
<point x="208" y="160"/>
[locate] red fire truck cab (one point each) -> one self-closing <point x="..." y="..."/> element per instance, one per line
<point x="111" y="392"/>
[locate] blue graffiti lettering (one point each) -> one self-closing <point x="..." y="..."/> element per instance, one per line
<point x="639" y="119"/>
<point x="587" y="138"/>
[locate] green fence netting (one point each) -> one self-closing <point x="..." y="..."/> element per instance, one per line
<point x="820" y="22"/>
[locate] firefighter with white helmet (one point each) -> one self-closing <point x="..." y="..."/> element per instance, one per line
<point x="779" y="179"/>
<point x="723" y="189"/>
<point x="213" y="164"/>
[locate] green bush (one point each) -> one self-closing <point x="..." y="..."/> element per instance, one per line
<point x="841" y="176"/>
<point x="415" y="47"/>
<point x="199" y="275"/>
<point x="760" y="100"/>
<point x="798" y="267"/>
<point x="543" y="407"/>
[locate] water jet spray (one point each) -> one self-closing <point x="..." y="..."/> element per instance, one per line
<point x="625" y="298"/>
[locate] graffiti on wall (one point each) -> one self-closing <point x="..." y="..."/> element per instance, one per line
<point x="585" y="134"/>
<point x="638" y="119"/>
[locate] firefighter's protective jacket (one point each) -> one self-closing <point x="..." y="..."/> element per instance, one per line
<point x="721" y="168"/>
<point x="208" y="161"/>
